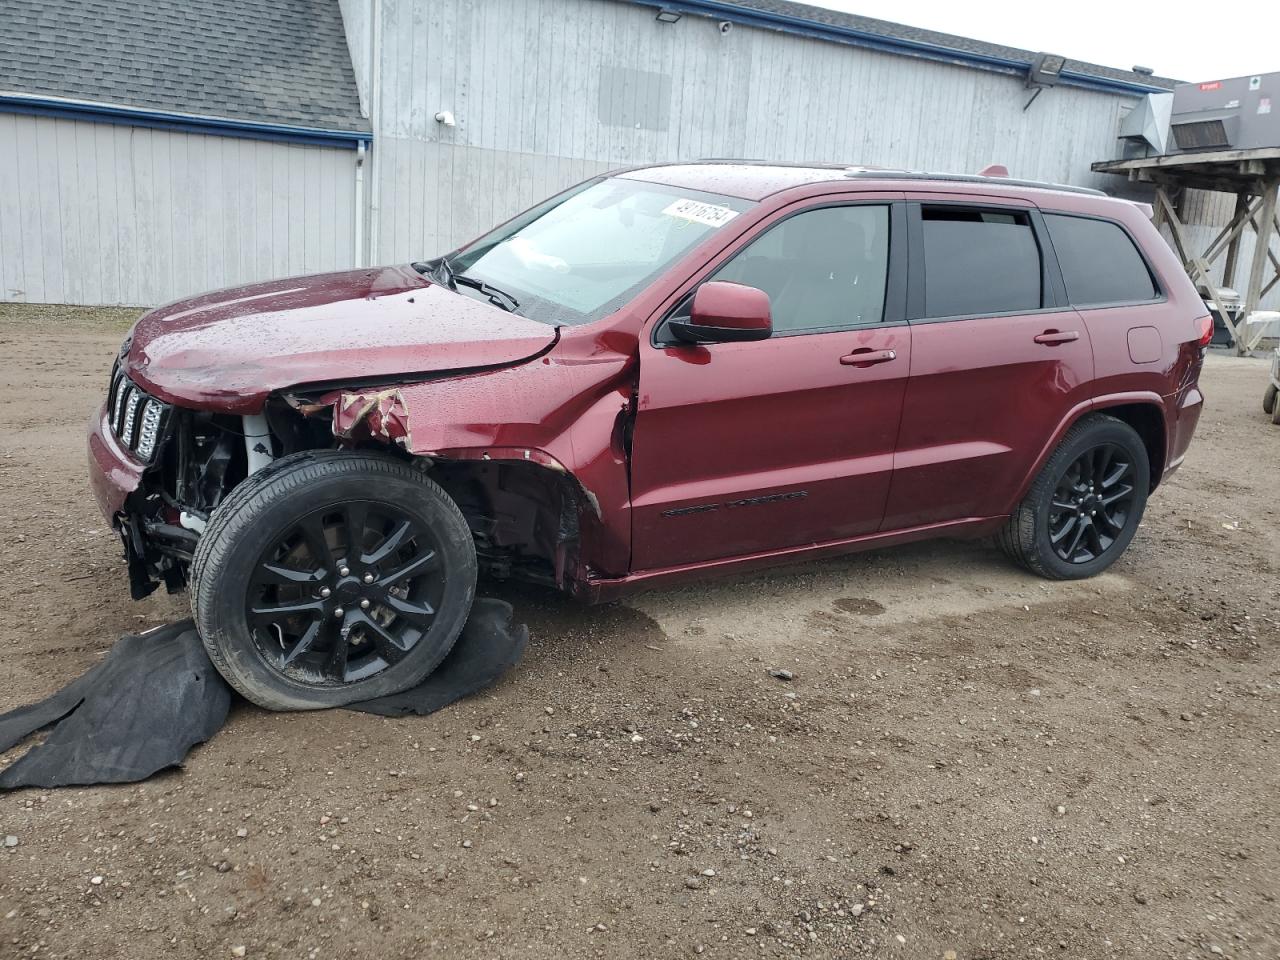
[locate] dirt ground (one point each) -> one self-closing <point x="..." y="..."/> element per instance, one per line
<point x="969" y="762"/>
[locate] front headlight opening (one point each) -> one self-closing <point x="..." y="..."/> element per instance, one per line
<point x="150" y="430"/>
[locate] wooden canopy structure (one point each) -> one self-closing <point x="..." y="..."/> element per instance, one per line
<point x="1253" y="178"/>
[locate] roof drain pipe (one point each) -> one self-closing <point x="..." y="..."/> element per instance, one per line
<point x="257" y="442"/>
<point x="357" y="258"/>
<point x="375" y="108"/>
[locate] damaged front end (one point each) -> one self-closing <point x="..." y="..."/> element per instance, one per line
<point x="189" y="461"/>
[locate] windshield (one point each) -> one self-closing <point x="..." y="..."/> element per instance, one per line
<point x="581" y="255"/>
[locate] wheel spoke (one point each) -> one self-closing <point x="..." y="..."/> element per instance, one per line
<point x="1095" y="539"/>
<point x="1110" y="522"/>
<point x="1120" y="494"/>
<point x="1101" y="463"/>
<point x="1066" y="528"/>
<point x="1062" y="505"/>
<point x="335" y="666"/>
<point x="394" y="541"/>
<point x="1119" y="473"/>
<point x="384" y="642"/>
<point x="422" y="563"/>
<point x="277" y="575"/>
<point x="317" y="545"/>
<point x="1075" y="540"/>
<point x="304" y="643"/>
<point x="418" y="612"/>
<point x="355" y="516"/>
<point x="274" y="614"/>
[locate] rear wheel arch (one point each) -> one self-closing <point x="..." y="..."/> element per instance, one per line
<point x="1146" y="417"/>
<point x="1086" y="503"/>
<point x="1144" y="413"/>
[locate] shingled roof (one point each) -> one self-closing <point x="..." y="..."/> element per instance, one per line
<point x="266" y="61"/>
<point x="803" y="13"/>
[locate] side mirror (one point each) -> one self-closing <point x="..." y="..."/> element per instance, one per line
<point x="726" y="312"/>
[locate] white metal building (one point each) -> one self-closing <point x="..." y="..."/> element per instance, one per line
<point x="159" y="149"/>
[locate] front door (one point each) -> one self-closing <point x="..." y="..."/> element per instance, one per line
<point x="742" y="448"/>
<point x="998" y="360"/>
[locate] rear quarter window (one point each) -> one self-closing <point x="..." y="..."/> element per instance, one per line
<point x="1099" y="262"/>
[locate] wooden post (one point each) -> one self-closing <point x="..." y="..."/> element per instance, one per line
<point x="1195" y="266"/>
<point x="1261" y="248"/>
<point x="1233" y="248"/>
<point x="1157" y="216"/>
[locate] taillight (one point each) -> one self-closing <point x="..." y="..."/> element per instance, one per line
<point x="1206" y="330"/>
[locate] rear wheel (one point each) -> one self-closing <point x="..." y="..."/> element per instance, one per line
<point x="1085" y="506"/>
<point x="333" y="577"/>
<point x="1269" y="399"/>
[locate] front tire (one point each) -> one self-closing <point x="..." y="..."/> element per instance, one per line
<point x="1269" y="399"/>
<point x="332" y="577"/>
<point x="1085" y="505"/>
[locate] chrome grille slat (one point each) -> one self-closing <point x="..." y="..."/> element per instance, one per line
<point x="132" y="404"/>
<point x="126" y="407"/>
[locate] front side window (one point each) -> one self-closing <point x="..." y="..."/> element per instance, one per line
<point x="979" y="262"/>
<point x="823" y="269"/>
<point x="580" y="256"/>
<point x="1099" y="262"/>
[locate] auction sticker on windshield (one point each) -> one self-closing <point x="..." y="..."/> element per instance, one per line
<point x="708" y="214"/>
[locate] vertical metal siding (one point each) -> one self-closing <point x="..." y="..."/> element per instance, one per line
<point x="98" y="213"/>
<point x="523" y="78"/>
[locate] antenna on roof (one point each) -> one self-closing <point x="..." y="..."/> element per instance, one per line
<point x="994" y="170"/>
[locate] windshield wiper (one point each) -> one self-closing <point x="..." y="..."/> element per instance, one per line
<point x="442" y="271"/>
<point x="499" y="298"/>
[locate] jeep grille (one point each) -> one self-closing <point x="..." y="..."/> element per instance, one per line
<point x="137" y="419"/>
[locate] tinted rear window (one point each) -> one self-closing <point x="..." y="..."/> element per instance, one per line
<point x="979" y="262"/>
<point x="1099" y="262"/>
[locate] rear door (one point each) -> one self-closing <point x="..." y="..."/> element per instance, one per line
<point x="998" y="358"/>
<point x="744" y="448"/>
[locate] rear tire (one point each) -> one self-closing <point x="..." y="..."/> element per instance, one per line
<point x="332" y="577"/>
<point x="1269" y="399"/>
<point x="1085" y="505"/>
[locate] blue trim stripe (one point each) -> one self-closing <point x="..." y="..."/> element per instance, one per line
<point x="899" y="45"/>
<point x="181" y="122"/>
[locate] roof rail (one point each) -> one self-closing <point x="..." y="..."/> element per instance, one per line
<point x="887" y="173"/>
<point x="875" y="174"/>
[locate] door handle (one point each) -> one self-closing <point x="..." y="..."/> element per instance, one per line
<point x="866" y="357"/>
<point x="1054" y="337"/>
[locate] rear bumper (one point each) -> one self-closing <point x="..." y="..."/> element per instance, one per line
<point x="1185" y="418"/>
<point x="113" y="473"/>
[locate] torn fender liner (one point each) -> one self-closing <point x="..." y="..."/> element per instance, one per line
<point x="153" y="698"/>
<point x="488" y="648"/>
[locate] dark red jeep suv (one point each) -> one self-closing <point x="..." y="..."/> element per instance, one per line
<point x="660" y="374"/>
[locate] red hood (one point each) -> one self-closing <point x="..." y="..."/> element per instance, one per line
<point x="229" y="349"/>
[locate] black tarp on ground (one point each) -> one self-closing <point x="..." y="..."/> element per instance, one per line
<point x="153" y="698"/>
<point x="157" y="695"/>
<point x="489" y="646"/>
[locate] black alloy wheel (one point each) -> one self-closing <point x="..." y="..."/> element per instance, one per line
<point x="331" y="577"/>
<point x="1092" y="504"/>
<point x="1084" y="506"/>
<point x="344" y="593"/>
